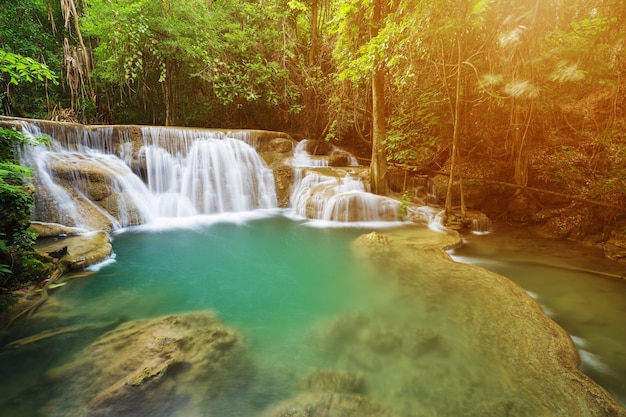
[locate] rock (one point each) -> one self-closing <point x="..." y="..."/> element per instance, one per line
<point x="329" y="405"/>
<point x="329" y="380"/>
<point x="44" y="230"/>
<point x="330" y="393"/>
<point x="339" y="158"/>
<point x="178" y="364"/>
<point x="282" y="145"/>
<point x="615" y="249"/>
<point x="283" y="181"/>
<point x="469" y="336"/>
<point x="81" y="250"/>
<point x="318" y="147"/>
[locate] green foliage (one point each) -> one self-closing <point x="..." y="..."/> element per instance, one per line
<point x="20" y="69"/>
<point x="403" y="208"/>
<point x="17" y="260"/>
<point x="26" y="30"/>
<point x="221" y="54"/>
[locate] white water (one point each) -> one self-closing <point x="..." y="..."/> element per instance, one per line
<point x="187" y="173"/>
<point x="334" y="198"/>
<point x="301" y="158"/>
<point x="101" y="175"/>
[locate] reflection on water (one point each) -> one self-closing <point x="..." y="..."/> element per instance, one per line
<point x="560" y="276"/>
<point x="309" y="314"/>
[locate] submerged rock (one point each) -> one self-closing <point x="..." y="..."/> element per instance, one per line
<point x="329" y="405"/>
<point x="457" y="339"/>
<point x="177" y="365"/>
<point x="330" y="393"/>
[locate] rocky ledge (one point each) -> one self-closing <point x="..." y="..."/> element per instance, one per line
<point x="182" y="364"/>
<point x="467" y="341"/>
<point x="65" y="249"/>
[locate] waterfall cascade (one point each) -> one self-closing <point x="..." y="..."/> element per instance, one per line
<point x="131" y="176"/>
<point x="338" y="194"/>
<point x="108" y="177"/>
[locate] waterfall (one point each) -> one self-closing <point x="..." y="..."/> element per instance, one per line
<point x="122" y="176"/>
<point x="337" y="194"/>
<point x="215" y="176"/>
<point x="323" y="154"/>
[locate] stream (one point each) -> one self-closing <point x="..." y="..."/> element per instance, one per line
<point x="280" y="281"/>
<point x="591" y="307"/>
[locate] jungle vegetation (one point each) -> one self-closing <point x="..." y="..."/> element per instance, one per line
<point x="527" y="93"/>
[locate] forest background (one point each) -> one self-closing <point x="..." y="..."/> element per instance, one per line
<point x="523" y="99"/>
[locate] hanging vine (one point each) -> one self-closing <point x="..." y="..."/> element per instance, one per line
<point x="76" y="61"/>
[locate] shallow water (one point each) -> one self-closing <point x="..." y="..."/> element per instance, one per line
<point x="590" y="306"/>
<point x="303" y="302"/>
<point x="271" y="278"/>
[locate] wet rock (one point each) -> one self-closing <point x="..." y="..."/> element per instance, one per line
<point x="318" y="147"/>
<point x="282" y="145"/>
<point x="283" y="181"/>
<point x="44" y="230"/>
<point x="172" y="365"/>
<point x="329" y="380"/>
<point x="81" y="251"/>
<point x="330" y="393"/>
<point x="97" y="180"/>
<point x="339" y="158"/>
<point x="615" y="249"/>
<point x="329" y="405"/>
<point x="473" y="342"/>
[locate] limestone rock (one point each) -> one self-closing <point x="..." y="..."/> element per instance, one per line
<point x="339" y="158"/>
<point x="615" y="249"/>
<point x="171" y="365"/>
<point x="318" y="147"/>
<point x="328" y="405"/>
<point x="44" y="230"/>
<point x="82" y="250"/>
<point x="329" y="380"/>
<point x="330" y="393"/>
<point x="461" y="333"/>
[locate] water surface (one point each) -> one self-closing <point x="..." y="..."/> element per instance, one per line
<point x="559" y="275"/>
<point x="302" y="302"/>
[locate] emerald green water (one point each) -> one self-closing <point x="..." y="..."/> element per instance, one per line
<point x="270" y="278"/>
<point x="285" y="284"/>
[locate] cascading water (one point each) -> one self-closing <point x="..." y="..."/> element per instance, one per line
<point x="84" y="174"/>
<point x="325" y="194"/>
<point x="216" y="175"/>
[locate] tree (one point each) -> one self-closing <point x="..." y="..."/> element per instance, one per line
<point x="76" y="60"/>
<point x="378" y="166"/>
<point x="24" y="31"/>
<point x="196" y="60"/>
<point x="360" y="51"/>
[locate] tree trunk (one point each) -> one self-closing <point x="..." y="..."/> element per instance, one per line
<point x="455" y="136"/>
<point x="314" y="35"/>
<point x="170" y="93"/>
<point x="378" y="165"/>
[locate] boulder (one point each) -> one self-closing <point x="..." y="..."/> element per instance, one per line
<point x="44" y="230"/>
<point x="339" y="158"/>
<point x="172" y="365"/>
<point x="318" y="147"/>
<point x="456" y="339"/>
<point x="329" y="393"/>
<point x="80" y="251"/>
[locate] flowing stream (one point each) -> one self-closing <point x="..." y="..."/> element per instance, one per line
<point x="285" y="283"/>
<point x="568" y="281"/>
<point x="197" y="228"/>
